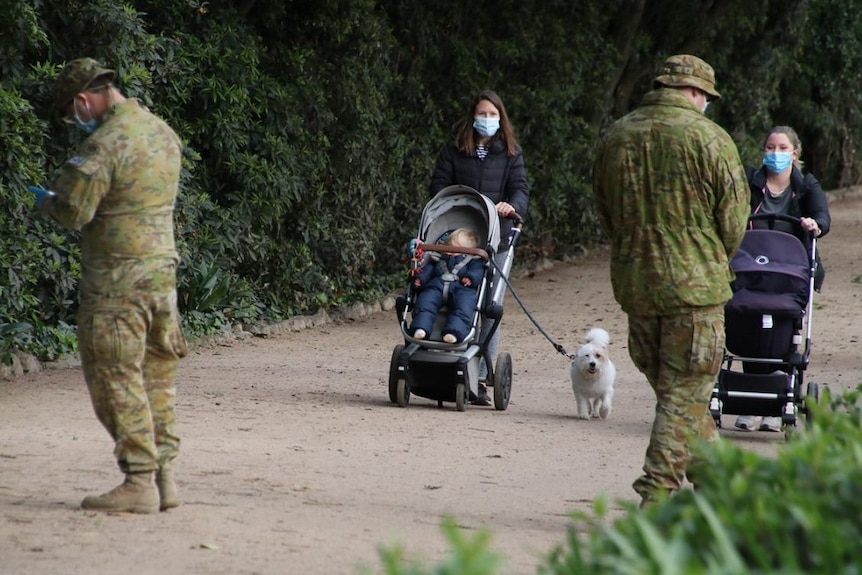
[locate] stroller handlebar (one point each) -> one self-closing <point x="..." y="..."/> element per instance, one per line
<point x="517" y="219"/>
<point x="772" y="218"/>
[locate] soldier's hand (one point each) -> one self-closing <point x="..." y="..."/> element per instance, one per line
<point x="40" y="193"/>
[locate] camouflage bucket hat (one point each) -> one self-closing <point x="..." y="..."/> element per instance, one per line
<point x="686" y="70"/>
<point x="76" y="77"/>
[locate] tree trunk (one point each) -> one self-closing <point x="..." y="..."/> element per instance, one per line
<point x="623" y="31"/>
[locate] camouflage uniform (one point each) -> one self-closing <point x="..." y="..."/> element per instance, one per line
<point x="671" y="195"/>
<point x="120" y="191"/>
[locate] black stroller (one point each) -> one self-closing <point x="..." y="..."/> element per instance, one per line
<point x="434" y="369"/>
<point x="768" y="326"/>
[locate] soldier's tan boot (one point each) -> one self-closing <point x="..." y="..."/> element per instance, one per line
<point x="137" y="494"/>
<point x="168" y="495"/>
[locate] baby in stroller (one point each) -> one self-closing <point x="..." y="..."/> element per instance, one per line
<point x="450" y="280"/>
<point x="451" y="369"/>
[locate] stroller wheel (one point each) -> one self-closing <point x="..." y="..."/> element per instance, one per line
<point x="502" y="381"/>
<point x="462" y="397"/>
<point x="812" y="395"/>
<point x="813" y="391"/>
<point x="402" y="393"/>
<point x="399" y="391"/>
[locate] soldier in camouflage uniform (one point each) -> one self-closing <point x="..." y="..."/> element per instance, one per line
<point x="119" y="190"/>
<point x="671" y="195"/>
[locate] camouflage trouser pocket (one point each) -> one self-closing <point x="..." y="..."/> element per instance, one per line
<point x="178" y="340"/>
<point x="166" y="333"/>
<point x="110" y="335"/>
<point x="707" y="341"/>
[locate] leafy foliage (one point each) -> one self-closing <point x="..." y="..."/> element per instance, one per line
<point x="798" y="512"/>
<point x="468" y="556"/>
<point x="39" y="266"/>
<point x="793" y="513"/>
<point x="311" y="128"/>
<point x="45" y="342"/>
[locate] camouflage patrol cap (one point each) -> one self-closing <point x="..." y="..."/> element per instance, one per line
<point x="76" y="77"/>
<point x="687" y="70"/>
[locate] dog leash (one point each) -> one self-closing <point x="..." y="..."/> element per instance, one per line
<point x="556" y="345"/>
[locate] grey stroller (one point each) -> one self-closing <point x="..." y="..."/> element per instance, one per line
<point x="449" y="372"/>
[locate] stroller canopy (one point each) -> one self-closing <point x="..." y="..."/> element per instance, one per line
<point x="460" y="207"/>
<point x="773" y="273"/>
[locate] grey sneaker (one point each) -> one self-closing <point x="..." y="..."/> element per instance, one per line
<point x="771" y="424"/>
<point x="747" y="422"/>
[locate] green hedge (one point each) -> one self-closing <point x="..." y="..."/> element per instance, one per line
<point x="312" y="127"/>
<point x="311" y="132"/>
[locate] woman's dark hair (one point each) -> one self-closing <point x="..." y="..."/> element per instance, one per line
<point x="466" y="137"/>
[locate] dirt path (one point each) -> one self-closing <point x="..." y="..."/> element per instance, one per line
<point x="295" y="461"/>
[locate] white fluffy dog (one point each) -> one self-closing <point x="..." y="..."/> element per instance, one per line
<point x="593" y="375"/>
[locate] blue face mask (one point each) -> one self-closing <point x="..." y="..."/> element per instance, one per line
<point x="777" y="162"/>
<point x="86" y="127"/>
<point x="90" y="125"/>
<point x="486" y="127"/>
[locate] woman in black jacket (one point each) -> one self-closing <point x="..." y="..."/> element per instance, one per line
<point x="780" y="187"/>
<point x="484" y="154"/>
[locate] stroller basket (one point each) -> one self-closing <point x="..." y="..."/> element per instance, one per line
<point x="764" y="394"/>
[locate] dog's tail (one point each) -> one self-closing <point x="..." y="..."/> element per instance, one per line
<point x="598" y="336"/>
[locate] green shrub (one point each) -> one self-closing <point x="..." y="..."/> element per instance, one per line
<point x="469" y="556"/>
<point x="212" y="300"/>
<point x="798" y="512"/>
<point x="311" y="128"/>
<point x="45" y="342"/>
<point x="39" y="264"/>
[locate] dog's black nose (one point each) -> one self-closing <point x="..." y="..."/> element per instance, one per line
<point x="592" y="365"/>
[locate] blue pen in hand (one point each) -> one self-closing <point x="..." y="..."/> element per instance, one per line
<point x="40" y="193"/>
